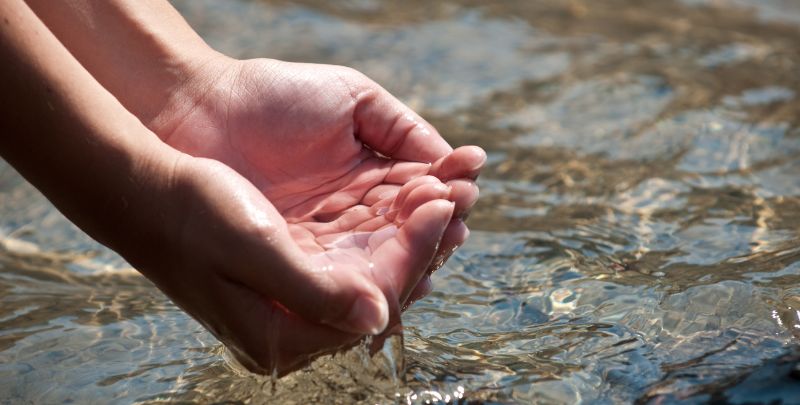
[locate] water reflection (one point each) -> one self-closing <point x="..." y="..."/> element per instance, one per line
<point x="635" y="240"/>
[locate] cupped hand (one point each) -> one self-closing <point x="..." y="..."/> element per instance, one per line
<point x="325" y="202"/>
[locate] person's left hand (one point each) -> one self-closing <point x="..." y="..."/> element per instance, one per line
<point x="319" y="141"/>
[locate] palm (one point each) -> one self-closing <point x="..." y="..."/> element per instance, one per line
<point x="292" y="137"/>
<point x="385" y="244"/>
<point x="306" y="137"/>
<point x="317" y="170"/>
<point x="321" y="169"/>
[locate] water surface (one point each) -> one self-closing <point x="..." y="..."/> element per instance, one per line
<point x="636" y="238"/>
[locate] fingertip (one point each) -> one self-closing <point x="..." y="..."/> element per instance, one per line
<point x="343" y="297"/>
<point x="479" y="159"/>
<point x="368" y="315"/>
<point x="478" y="156"/>
<point x="461" y="232"/>
<point x="429" y="144"/>
<point x="464" y="194"/>
<point x="464" y="162"/>
<point x="405" y="259"/>
<point x="425" y="226"/>
<point x="445" y="208"/>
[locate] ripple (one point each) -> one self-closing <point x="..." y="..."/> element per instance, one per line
<point x="635" y="239"/>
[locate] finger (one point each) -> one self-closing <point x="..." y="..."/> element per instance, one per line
<point x="335" y="294"/>
<point x="403" y="172"/>
<point x="465" y="162"/>
<point x="380" y="207"/>
<point x="400" y="262"/>
<point x="350" y="219"/>
<point x="419" y="196"/>
<point x="380" y="192"/>
<point x="423" y="288"/>
<point x="391" y="128"/>
<point x="464" y="193"/>
<point x="454" y="236"/>
<point x="405" y="191"/>
<point x="264" y="336"/>
<point x="253" y="246"/>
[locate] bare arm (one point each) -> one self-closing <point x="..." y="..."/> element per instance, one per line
<point x="280" y="161"/>
<point x="193" y="226"/>
<point x="70" y="137"/>
<point x="143" y="52"/>
<point x="260" y="117"/>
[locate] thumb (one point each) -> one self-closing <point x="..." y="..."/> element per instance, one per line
<point x="389" y="127"/>
<point x="228" y="225"/>
<point x="328" y="288"/>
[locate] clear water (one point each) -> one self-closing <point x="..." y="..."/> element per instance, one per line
<point x="636" y="239"/>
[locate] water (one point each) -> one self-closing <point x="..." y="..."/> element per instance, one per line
<point x="636" y="238"/>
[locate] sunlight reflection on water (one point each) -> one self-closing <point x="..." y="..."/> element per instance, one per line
<point x="635" y="238"/>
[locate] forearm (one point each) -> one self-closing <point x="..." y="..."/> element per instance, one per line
<point x="68" y="136"/>
<point x="143" y="52"/>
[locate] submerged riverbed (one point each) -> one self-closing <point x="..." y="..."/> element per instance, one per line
<point x="636" y="239"/>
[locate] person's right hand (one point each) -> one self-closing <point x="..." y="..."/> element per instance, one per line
<point x="252" y="279"/>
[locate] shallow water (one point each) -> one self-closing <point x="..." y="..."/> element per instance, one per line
<point x="636" y="239"/>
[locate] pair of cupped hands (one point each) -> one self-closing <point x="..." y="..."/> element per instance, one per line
<point x="316" y="206"/>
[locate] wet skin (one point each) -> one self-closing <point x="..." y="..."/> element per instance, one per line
<point x="290" y="208"/>
<point x="349" y="193"/>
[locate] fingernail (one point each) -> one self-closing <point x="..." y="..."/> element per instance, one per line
<point x="482" y="158"/>
<point x="368" y="316"/>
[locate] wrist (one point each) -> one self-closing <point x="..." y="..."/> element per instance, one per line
<point x="188" y="81"/>
<point x="132" y="210"/>
<point x="162" y="81"/>
<point x="160" y="53"/>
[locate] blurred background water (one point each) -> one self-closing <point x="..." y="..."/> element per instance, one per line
<point x="636" y="238"/>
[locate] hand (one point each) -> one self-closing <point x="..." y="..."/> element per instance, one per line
<point x="345" y="170"/>
<point x="311" y="223"/>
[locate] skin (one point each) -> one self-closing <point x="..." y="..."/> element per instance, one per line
<point x="290" y="208"/>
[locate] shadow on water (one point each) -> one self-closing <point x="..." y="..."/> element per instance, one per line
<point x="636" y="238"/>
